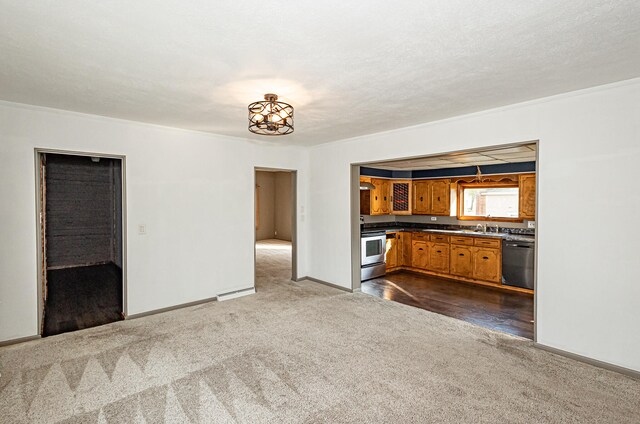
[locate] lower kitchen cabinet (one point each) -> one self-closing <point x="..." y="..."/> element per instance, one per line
<point x="487" y="264"/>
<point x="391" y="252"/>
<point x="467" y="258"/>
<point x="404" y="248"/>
<point x="439" y="257"/>
<point x="461" y="261"/>
<point x="419" y="254"/>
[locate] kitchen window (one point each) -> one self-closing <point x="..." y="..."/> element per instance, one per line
<point x="488" y="201"/>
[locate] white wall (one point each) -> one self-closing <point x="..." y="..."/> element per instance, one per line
<point x="198" y="211"/>
<point x="588" y="265"/>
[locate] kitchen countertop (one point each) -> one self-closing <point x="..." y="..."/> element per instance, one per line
<point x="506" y="236"/>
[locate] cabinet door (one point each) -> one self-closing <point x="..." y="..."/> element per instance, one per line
<point x="376" y="196"/>
<point x="385" y="196"/>
<point x="419" y="255"/>
<point x="439" y="197"/>
<point x="365" y="202"/>
<point x="439" y="257"/>
<point x="391" y="253"/>
<point x="421" y="197"/>
<point x="461" y="261"/>
<point x="487" y="264"/>
<point x="527" y="189"/>
<point x="401" y="197"/>
<point x="404" y="246"/>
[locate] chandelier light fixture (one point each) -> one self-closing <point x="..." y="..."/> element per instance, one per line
<point x="270" y="117"/>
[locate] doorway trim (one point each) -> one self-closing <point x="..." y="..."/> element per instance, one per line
<point x="354" y="184"/>
<point x="39" y="245"/>
<point x="294" y="218"/>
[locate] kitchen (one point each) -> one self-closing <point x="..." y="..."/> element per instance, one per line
<point x="454" y="234"/>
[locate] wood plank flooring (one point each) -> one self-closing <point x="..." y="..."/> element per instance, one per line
<point x="82" y="297"/>
<point x="491" y="308"/>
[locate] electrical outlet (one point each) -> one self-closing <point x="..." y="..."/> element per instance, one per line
<point x="531" y="224"/>
<point x="434" y="218"/>
<point x="142" y="229"/>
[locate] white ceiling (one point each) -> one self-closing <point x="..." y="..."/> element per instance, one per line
<point x="349" y="68"/>
<point x="522" y="153"/>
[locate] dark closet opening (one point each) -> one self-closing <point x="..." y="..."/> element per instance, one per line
<point x="82" y="231"/>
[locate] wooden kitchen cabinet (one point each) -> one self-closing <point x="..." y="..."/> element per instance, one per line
<point x="471" y="259"/>
<point x="527" y="201"/>
<point x="404" y="248"/>
<point x="420" y="197"/>
<point x="487" y="264"/>
<point x="380" y="197"/>
<point x="391" y="252"/>
<point x="439" y="257"/>
<point x="419" y="254"/>
<point x="461" y="261"/>
<point x="432" y="197"/>
<point x="401" y="197"/>
<point x="440" y="197"/>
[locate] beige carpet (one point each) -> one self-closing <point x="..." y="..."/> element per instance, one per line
<point x="302" y="353"/>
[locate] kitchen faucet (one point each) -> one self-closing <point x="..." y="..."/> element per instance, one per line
<point x="482" y="227"/>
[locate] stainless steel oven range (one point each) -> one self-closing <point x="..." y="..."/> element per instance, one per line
<point x="372" y="250"/>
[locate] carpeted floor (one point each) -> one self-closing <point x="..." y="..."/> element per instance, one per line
<point x="302" y="353"/>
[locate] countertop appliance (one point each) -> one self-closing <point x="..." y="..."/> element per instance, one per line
<point x="372" y="252"/>
<point x="518" y="263"/>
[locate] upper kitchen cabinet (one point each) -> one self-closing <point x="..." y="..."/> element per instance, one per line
<point x="380" y="197"/>
<point x="432" y="197"/>
<point x="376" y="201"/>
<point x="440" y="196"/>
<point x="527" y="189"/>
<point x="421" y="197"/>
<point x="401" y="197"/>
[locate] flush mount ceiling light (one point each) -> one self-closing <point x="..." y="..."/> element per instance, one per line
<point x="270" y="117"/>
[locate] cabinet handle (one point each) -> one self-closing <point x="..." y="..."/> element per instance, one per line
<point x="420" y="248"/>
<point x="385" y="198"/>
<point x="460" y="254"/>
<point x="376" y="197"/>
<point x="438" y="198"/>
<point x="421" y="198"/>
<point x="438" y="251"/>
<point x="484" y="257"/>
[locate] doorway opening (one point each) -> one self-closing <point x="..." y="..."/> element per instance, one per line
<point x="275" y="228"/>
<point x="451" y="233"/>
<point x="81" y="241"/>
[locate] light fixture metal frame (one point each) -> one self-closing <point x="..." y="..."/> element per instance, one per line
<point x="261" y="116"/>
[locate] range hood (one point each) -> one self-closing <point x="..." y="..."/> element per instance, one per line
<point x="366" y="186"/>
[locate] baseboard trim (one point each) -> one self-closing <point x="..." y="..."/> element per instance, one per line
<point x="326" y="283"/>
<point x="600" y="364"/>
<point x="237" y="293"/>
<point x="170" y="308"/>
<point x="19" y="340"/>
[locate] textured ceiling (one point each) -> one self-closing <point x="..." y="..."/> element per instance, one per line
<point x="349" y="68"/>
<point x="522" y="153"/>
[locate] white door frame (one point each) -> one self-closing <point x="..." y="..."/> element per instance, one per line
<point x="40" y="247"/>
<point x="294" y="219"/>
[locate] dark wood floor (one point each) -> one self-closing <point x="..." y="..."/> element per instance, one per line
<point x="82" y="297"/>
<point x="491" y="308"/>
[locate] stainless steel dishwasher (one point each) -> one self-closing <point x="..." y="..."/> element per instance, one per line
<point x="518" y="263"/>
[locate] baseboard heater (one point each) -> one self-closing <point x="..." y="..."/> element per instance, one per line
<point x="236" y="294"/>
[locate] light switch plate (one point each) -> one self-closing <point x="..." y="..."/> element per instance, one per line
<point x="531" y="224"/>
<point x="142" y="229"/>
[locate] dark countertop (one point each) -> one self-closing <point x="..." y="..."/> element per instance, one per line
<point x="510" y="234"/>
